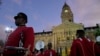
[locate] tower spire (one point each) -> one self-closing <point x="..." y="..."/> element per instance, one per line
<point x="65" y="4"/>
<point x="66" y="14"/>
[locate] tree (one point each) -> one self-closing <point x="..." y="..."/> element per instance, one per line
<point x="97" y="32"/>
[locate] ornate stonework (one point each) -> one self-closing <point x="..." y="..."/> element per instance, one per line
<point x="62" y="35"/>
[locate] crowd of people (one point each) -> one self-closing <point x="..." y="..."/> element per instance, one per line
<point x="21" y="42"/>
<point x="45" y="52"/>
<point x="84" y="46"/>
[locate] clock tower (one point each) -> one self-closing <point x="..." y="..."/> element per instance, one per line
<point x="66" y="14"/>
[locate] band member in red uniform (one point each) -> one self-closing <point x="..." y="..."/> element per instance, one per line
<point x="50" y="51"/>
<point x="23" y="36"/>
<point x="41" y="52"/>
<point x="83" y="46"/>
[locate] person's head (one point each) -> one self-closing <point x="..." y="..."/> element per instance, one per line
<point x="49" y="45"/>
<point x="80" y="33"/>
<point x="41" y="50"/>
<point x="20" y="19"/>
<point x="35" y="51"/>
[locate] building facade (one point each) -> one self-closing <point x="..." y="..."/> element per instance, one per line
<point x="62" y="35"/>
<point x="92" y="32"/>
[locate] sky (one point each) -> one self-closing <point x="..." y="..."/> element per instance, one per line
<point x="43" y="14"/>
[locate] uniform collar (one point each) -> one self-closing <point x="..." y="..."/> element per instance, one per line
<point x="81" y="39"/>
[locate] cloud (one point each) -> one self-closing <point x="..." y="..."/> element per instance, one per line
<point x="86" y="11"/>
<point x="49" y="26"/>
<point x="9" y="17"/>
<point x="19" y="2"/>
<point x="35" y="17"/>
<point x="2" y="32"/>
<point x="92" y="14"/>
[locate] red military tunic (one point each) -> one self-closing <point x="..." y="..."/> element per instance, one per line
<point x="15" y="37"/>
<point x="41" y="54"/>
<point x="97" y="49"/>
<point x="50" y="53"/>
<point x="83" y="47"/>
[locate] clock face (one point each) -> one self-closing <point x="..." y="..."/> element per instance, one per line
<point x="66" y="11"/>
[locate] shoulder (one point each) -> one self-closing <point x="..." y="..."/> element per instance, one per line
<point x="25" y="28"/>
<point x="77" y="40"/>
<point x="82" y="39"/>
<point x="29" y="28"/>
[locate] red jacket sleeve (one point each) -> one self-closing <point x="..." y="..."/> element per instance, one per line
<point x="29" y="38"/>
<point x="97" y="49"/>
<point x="73" y="51"/>
<point x="54" y="53"/>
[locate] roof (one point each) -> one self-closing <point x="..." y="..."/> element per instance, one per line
<point x="47" y="32"/>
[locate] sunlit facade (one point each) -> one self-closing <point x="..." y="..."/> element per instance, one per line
<point x="62" y="35"/>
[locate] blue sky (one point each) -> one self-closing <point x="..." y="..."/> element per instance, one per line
<point x="43" y="14"/>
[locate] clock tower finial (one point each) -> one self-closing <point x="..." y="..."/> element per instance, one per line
<point x="66" y="13"/>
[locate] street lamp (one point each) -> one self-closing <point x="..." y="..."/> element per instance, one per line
<point x="8" y="30"/>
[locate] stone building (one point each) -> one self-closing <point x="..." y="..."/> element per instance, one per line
<point x="92" y="31"/>
<point x="62" y="35"/>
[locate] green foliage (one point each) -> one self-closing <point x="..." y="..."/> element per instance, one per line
<point x="97" y="32"/>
